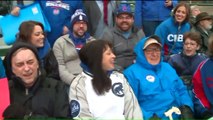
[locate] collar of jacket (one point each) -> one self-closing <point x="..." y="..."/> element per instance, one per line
<point x="20" y="85"/>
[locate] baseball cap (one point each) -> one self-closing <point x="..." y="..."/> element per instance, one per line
<point x="124" y="8"/>
<point x="152" y="40"/>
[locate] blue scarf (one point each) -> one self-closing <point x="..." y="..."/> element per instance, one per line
<point x="43" y="51"/>
<point x="79" y="42"/>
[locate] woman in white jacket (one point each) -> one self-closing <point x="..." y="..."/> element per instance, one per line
<point x="99" y="92"/>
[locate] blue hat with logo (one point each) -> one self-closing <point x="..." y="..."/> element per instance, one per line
<point x="124" y="8"/>
<point x="79" y="15"/>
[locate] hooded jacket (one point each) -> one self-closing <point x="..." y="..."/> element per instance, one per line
<point x="46" y="98"/>
<point x="156" y="90"/>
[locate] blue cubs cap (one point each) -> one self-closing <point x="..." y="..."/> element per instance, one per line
<point x="124" y="8"/>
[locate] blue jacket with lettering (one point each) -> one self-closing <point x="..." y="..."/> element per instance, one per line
<point x="171" y="35"/>
<point x="157" y="87"/>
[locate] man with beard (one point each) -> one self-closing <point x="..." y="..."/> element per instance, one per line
<point x="203" y="25"/>
<point x="123" y="37"/>
<point x="66" y="47"/>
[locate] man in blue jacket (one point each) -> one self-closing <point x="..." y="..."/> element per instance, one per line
<point x="157" y="91"/>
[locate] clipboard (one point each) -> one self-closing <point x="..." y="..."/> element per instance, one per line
<point x="10" y="24"/>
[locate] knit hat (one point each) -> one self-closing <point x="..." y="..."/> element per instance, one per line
<point x="202" y="16"/>
<point x="124" y="8"/>
<point x="79" y="15"/>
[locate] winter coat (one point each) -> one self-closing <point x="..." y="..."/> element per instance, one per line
<point x="67" y="57"/>
<point x="118" y="103"/>
<point x="157" y="87"/>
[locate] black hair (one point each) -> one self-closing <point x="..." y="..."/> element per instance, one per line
<point x="91" y="55"/>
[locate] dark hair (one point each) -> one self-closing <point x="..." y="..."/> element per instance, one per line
<point x="91" y="55"/>
<point x="188" y="10"/>
<point x="195" y="36"/>
<point x="26" y="30"/>
<point x="210" y="46"/>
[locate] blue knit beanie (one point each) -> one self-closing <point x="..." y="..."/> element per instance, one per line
<point x="79" y="15"/>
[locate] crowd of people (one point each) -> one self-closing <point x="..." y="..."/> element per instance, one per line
<point x="102" y="60"/>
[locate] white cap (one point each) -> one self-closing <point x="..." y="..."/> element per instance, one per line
<point x="151" y="41"/>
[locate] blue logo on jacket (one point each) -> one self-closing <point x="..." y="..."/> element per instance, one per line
<point x="75" y="108"/>
<point x="117" y="89"/>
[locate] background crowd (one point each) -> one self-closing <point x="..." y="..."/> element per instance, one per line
<point x="109" y="60"/>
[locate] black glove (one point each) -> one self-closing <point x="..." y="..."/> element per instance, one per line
<point x="207" y="115"/>
<point x="16" y="111"/>
<point x="186" y="113"/>
<point x="154" y="117"/>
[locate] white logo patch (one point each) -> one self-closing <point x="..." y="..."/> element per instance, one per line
<point x="150" y="78"/>
<point x="80" y="17"/>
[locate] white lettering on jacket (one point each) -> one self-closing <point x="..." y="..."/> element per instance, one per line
<point x="175" y="38"/>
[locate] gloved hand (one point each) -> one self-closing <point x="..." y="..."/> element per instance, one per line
<point x="186" y="113"/>
<point x="16" y="111"/>
<point x="207" y="115"/>
<point x="154" y="117"/>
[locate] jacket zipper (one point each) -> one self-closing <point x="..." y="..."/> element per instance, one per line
<point x="26" y="91"/>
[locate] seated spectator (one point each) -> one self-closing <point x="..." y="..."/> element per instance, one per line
<point x="32" y="94"/>
<point x="124" y="36"/>
<point x="186" y="62"/>
<point x="99" y="92"/>
<point x="195" y="10"/>
<point x="66" y="47"/>
<point x="202" y="82"/>
<point x="203" y="25"/>
<point x="171" y="30"/>
<point x="32" y="32"/>
<point x="156" y="85"/>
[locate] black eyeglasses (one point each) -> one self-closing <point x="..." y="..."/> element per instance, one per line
<point x="152" y="50"/>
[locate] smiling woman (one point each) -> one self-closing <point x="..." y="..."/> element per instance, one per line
<point x="32" y="32"/>
<point x="171" y="30"/>
<point x="98" y="84"/>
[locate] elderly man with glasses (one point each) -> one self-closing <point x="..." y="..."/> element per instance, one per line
<point x="159" y="90"/>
